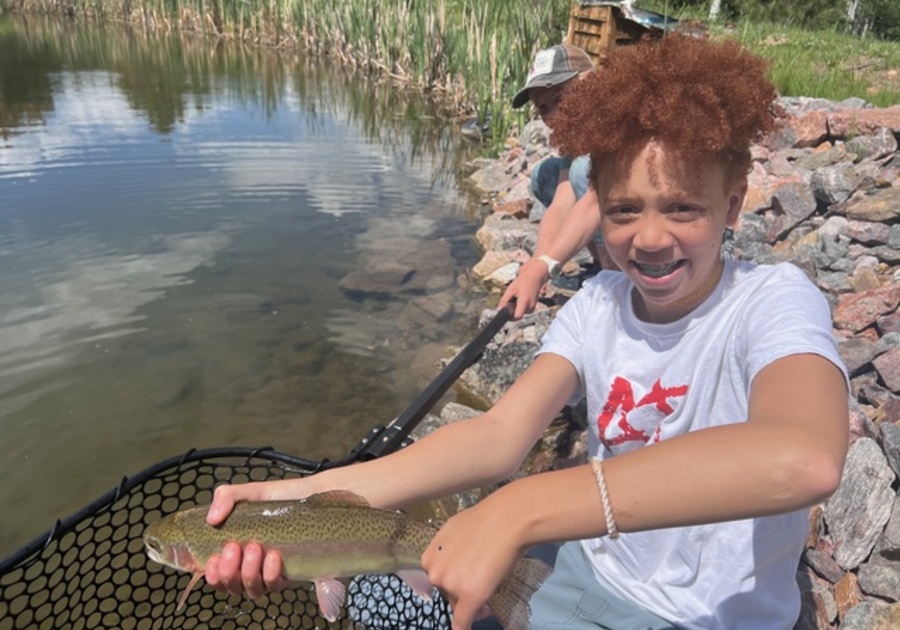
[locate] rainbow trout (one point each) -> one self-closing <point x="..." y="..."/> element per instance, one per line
<point x="325" y="537"/>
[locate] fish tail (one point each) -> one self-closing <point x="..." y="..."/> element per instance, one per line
<point x="510" y="602"/>
<point x="188" y="589"/>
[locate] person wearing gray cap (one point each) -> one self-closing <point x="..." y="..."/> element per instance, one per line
<point x="572" y="217"/>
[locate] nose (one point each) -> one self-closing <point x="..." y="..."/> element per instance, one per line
<point x="652" y="235"/>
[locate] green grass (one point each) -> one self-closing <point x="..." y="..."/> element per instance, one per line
<point x="826" y="64"/>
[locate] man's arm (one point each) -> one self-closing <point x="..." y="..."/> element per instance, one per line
<point x="561" y="241"/>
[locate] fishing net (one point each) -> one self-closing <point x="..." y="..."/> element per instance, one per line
<point x="91" y="570"/>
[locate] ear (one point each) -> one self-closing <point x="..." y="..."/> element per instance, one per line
<point x="736" y="201"/>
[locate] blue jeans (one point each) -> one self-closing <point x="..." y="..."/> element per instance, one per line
<point x="545" y="177"/>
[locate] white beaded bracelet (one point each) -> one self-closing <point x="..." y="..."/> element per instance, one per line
<point x="612" y="530"/>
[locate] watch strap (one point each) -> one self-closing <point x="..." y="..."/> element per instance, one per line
<point x="552" y="264"/>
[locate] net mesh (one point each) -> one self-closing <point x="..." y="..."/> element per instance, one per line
<point x="91" y="571"/>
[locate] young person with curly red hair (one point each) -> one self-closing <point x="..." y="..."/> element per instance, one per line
<point x="716" y="397"/>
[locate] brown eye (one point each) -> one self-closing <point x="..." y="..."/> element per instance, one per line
<point x="683" y="211"/>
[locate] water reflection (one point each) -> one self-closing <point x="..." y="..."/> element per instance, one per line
<point x="203" y="246"/>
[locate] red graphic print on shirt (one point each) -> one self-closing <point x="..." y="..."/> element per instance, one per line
<point x="639" y="421"/>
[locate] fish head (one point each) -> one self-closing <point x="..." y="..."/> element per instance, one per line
<point x="166" y="544"/>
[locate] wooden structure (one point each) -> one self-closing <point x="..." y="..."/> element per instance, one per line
<point x="596" y="27"/>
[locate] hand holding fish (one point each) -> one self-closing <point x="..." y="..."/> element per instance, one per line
<point x="469" y="558"/>
<point x="322" y="539"/>
<point x="247" y="569"/>
<point x="227" y="496"/>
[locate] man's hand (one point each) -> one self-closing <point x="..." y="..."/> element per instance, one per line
<point x="527" y="286"/>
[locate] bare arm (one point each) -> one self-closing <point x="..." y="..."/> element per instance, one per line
<point x="566" y="234"/>
<point x="579" y="227"/>
<point x="555" y="215"/>
<point x="462" y="455"/>
<point x="788" y="455"/>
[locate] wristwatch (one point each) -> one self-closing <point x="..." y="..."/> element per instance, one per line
<point x="553" y="265"/>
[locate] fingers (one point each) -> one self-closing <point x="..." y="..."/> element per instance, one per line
<point x="230" y="568"/>
<point x="462" y="618"/>
<point x="464" y="598"/>
<point x="506" y="297"/>
<point x="273" y="572"/>
<point x="222" y="504"/>
<point x="524" y="305"/>
<point x="212" y="573"/>
<point x="247" y="571"/>
<point x="222" y="569"/>
<point x="251" y="571"/>
<point x="514" y="292"/>
<point x="227" y="495"/>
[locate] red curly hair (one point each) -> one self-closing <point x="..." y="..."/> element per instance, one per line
<point x="699" y="99"/>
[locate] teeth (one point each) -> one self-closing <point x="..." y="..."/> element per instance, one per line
<point x="657" y="271"/>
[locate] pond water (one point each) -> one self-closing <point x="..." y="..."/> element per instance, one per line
<point x="186" y="235"/>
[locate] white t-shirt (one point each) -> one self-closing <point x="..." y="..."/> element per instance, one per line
<point x="648" y="382"/>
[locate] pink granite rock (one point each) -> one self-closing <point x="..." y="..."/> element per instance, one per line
<point x="846" y="123"/>
<point x="857" y="311"/>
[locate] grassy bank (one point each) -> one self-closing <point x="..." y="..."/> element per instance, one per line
<point x="474" y="54"/>
<point x="828" y="64"/>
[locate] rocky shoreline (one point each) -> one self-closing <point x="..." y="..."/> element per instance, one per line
<point x="824" y="194"/>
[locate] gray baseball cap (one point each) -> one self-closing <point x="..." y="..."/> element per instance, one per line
<point x="551" y="67"/>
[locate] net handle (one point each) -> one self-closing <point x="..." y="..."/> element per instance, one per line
<point x="382" y="440"/>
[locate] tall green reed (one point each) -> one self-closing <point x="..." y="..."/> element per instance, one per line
<point x="471" y="54"/>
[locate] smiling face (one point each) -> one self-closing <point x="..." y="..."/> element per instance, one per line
<point x="664" y="230"/>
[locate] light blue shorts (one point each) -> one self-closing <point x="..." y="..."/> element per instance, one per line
<point x="571" y="599"/>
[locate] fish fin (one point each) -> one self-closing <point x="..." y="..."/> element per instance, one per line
<point x="417" y="580"/>
<point x="337" y="497"/>
<point x="188" y="589"/>
<point x="510" y="601"/>
<point x="330" y="595"/>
